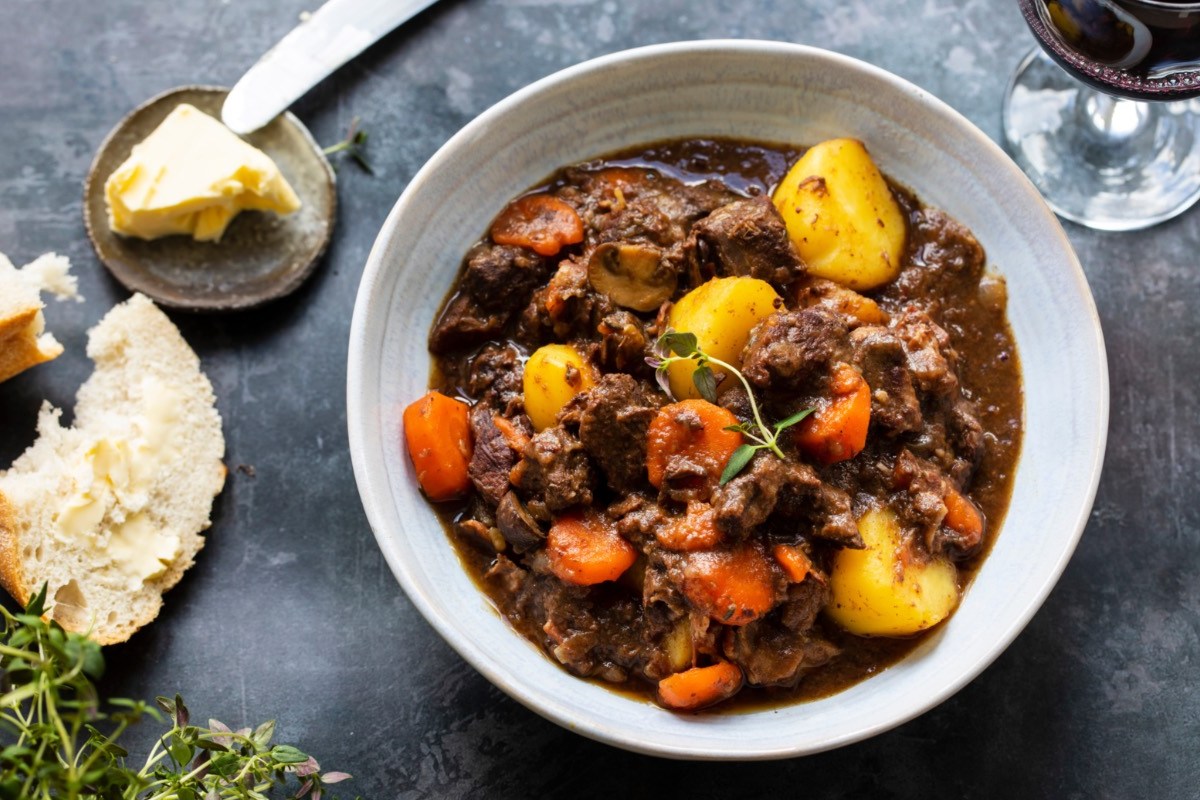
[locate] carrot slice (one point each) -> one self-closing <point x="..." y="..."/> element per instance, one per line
<point x="795" y="562"/>
<point x="438" y="434"/>
<point x="731" y="586"/>
<point x="695" y="530"/>
<point x="963" y="517"/>
<point x="698" y="687"/>
<point x="837" y="430"/>
<point x="586" y="549"/>
<point x="694" y="429"/>
<point x="541" y="222"/>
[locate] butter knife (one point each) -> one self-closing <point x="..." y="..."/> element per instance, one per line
<point x="334" y="34"/>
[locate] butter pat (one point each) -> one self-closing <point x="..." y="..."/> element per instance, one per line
<point x="193" y="175"/>
<point x="112" y="482"/>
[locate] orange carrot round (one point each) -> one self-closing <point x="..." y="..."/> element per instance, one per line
<point x="694" y="429"/>
<point x="541" y="222"/>
<point x="438" y="434"/>
<point x="837" y="430"/>
<point x="586" y="549"/>
<point x="695" y="530"/>
<point x="731" y="586"/>
<point x="698" y="687"/>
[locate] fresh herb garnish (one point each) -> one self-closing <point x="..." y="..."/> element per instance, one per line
<point x="686" y="347"/>
<point x="53" y="745"/>
<point x="352" y="146"/>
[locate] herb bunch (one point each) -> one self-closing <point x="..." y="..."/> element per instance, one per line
<point x="674" y="346"/>
<point x="57" y="741"/>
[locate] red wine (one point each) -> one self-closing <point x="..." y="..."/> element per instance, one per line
<point x="1145" y="49"/>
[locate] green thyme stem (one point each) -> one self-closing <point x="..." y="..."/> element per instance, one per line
<point x="769" y="438"/>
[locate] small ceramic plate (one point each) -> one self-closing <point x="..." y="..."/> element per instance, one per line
<point x="261" y="257"/>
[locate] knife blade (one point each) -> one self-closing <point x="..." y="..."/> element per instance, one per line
<point x="336" y="33"/>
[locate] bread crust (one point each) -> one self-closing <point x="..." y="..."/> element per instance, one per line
<point x="19" y="345"/>
<point x="12" y="573"/>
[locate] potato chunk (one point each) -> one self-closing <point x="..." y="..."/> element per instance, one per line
<point x="884" y="590"/>
<point x="553" y="375"/>
<point x="721" y="314"/>
<point x="841" y="215"/>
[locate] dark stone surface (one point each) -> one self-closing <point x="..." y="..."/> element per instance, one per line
<point x="291" y="612"/>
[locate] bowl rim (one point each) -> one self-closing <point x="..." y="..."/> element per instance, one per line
<point x="597" y="729"/>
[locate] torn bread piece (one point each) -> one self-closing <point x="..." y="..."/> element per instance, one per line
<point x="109" y="511"/>
<point x="23" y="340"/>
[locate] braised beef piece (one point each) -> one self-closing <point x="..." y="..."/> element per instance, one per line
<point x="520" y="529"/>
<point x="480" y="534"/>
<point x="780" y="648"/>
<point x="464" y="323"/>
<point x="880" y="357"/>
<point x="923" y="505"/>
<point x="493" y="457"/>
<point x="555" y="468"/>
<point x="566" y="308"/>
<point x="746" y="237"/>
<point x="931" y="359"/>
<point x="616" y="414"/>
<point x="501" y="277"/>
<point x="790" y="489"/>
<point x="789" y="347"/>
<point x="637" y="518"/>
<point x="496" y="283"/>
<point x="495" y="378"/>
<point x="623" y="343"/>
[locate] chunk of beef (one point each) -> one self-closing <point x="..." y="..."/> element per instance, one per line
<point x="931" y="358"/>
<point x="923" y="506"/>
<point x="966" y="433"/>
<point x="923" y="503"/>
<point x="747" y="237"/>
<point x="791" y="489"/>
<point x="493" y="457"/>
<point x="554" y="469"/>
<point x="616" y="414"/>
<point x="947" y="244"/>
<point x="880" y="357"/>
<point x="788" y="347"/>
<point x="622" y="342"/>
<point x="856" y="308"/>
<point x="495" y="378"/>
<point x="465" y="323"/>
<point x="772" y="652"/>
<point x="499" y="277"/>
<point x="637" y="517"/>
<point x="480" y="534"/>
<point x="825" y="510"/>
<point x="563" y="309"/>
<point x="520" y="529"/>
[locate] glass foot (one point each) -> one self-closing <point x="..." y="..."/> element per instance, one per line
<point x="1101" y="161"/>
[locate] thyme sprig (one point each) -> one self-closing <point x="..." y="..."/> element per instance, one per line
<point x="686" y="347"/>
<point x="53" y="745"/>
<point x="352" y="146"/>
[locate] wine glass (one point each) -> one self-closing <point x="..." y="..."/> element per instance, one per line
<point x="1103" y="118"/>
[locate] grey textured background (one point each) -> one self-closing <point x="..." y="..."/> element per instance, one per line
<point x="291" y="612"/>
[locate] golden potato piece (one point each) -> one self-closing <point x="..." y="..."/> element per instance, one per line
<point x="553" y="375"/>
<point x="884" y="590"/>
<point x="721" y="314"/>
<point x="841" y="215"/>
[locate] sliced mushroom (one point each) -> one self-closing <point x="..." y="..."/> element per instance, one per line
<point x="631" y="275"/>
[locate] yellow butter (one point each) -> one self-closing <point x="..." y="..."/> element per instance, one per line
<point x="192" y="175"/>
<point x="112" y="484"/>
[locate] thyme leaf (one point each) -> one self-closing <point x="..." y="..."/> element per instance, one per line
<point x="686" y="347"/>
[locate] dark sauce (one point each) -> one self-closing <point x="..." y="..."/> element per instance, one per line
<point x="988" y="367"/>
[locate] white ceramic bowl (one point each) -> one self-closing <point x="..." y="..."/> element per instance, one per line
<point x="751" y="90"/>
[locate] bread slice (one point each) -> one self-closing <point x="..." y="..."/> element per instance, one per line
<point x="109" y="511"/>
<point x="23" y="340"/>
